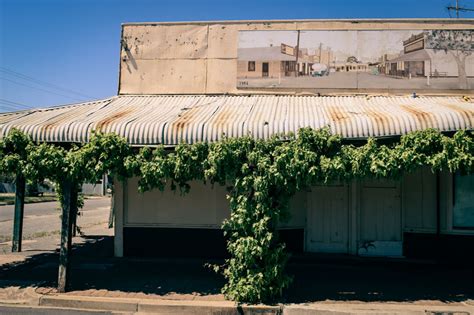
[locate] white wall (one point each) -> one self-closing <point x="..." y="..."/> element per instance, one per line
<point x="207" y="207"/>
<point x="203" y="207"/>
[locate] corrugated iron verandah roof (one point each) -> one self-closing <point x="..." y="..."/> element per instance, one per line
<point x="170" y="120"/>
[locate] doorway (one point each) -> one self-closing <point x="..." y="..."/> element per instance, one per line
<point x="265" y="69"/>
<point x="380" y="227"/>
<point x="328" y="219"/>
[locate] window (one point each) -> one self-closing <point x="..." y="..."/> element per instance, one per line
<point x="463" y="210"/>
<point x="251" y="66"/>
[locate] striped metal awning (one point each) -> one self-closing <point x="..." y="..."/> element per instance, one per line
<point x="170" y="120"/>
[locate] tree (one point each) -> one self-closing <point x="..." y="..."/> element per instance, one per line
<point x="459" y="43"/>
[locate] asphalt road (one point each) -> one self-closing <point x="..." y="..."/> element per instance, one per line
<point x="47" y="311"/>
<point x="42" y="219"/>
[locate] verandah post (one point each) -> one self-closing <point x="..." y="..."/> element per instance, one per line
<point x="67" y="203"/>
<point x="74" y="210"/>
<point x="19" y="213"/>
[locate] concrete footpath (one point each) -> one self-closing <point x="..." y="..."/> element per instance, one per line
<point x="163" y="306"/>
<point x="29" y="295"/>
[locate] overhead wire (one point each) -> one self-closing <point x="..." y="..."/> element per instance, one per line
<point x="14" y="104"/>
<point x="44" y="83"/>
<point x="41" y="89"/>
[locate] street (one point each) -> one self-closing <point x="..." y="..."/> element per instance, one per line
<point x="355" y="80"/>
<point x="42" y="222"/>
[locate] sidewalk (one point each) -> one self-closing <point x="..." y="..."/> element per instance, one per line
<point x="165" y="306"/>
<point x="321" y="285"/>
<point x="185" y="287"/>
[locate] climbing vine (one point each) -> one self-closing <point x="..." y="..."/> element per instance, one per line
<point x="261" y="177"/>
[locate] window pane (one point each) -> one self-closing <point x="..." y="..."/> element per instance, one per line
<point x="463" y="212"/>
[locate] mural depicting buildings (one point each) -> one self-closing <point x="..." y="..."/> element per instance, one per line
<point x="406" y="59"/>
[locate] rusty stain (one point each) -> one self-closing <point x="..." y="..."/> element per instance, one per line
<point x="223" y="117"/>
<point x="336" y="113"/>
<point x="420" y="115"/>
<point x="381" y="120"/>
<point x="108" y="120"/>
<point x="469" y="114"/>
<point x="185" y="118"/>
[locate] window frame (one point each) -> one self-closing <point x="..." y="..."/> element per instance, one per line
<point x="251" y="68"/>
<point x="453" y="204"/>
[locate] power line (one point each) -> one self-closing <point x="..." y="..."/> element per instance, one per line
<point x="458" y="9"/>
<point x="40" y="89"/>
<point x="44" y="83"/>
<point x="2" y="100"/>
<point x="7" y="107"/>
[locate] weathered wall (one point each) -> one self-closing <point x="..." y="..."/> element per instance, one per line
<point x="203" y="207"/>
<point x="334" y="218"/>
<point x="201" y="57"/>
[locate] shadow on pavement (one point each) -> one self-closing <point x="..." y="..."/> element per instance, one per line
<point x="315" y="279"/>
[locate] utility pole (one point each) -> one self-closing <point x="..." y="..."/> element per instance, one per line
<point x="297" y="53"/>
<point x="19" y="213"/>
<point x="458" y="9"/>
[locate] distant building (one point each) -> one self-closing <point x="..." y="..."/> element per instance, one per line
<point x="265" y="62"/>
<point x="418" y="59"/>
<point x="275" y="61"/>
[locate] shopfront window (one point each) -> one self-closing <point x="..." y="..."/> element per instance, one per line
<point x="463" y="210"/>
<point x="251" y="66"/>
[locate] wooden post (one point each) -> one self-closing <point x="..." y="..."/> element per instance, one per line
<point x="74" y="210"/>
<point x="297" y="53"/>
<point x="19" y="212"/>
<point x="67" y="203"/>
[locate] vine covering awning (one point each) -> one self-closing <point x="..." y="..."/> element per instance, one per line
<point x="170" y="120"/>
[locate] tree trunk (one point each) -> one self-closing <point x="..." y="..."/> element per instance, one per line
<point x="67" y="202"/>
<point x="462" y="76"/>
<point x="19" y="212"/>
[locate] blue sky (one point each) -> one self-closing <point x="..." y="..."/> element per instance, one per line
<point x="56" y="52"/>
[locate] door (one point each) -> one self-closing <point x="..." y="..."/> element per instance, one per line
<point x="380" y="226"/>
<point x="265" y="69"/>
<point x="328" y="219"/>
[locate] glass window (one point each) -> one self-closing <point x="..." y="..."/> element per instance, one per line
<point x="463" y="210"/>
<point x="251" y="66"/>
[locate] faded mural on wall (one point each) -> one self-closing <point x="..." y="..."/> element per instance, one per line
<point x="385" y="59"/>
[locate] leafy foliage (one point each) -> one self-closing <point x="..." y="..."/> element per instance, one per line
<point x="459" y="40"/>
<point x="261" y="176"/>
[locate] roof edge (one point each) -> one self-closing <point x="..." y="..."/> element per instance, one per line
<point x="400" y="20"/>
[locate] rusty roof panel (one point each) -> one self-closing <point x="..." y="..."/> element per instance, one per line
<point x="170" y="120"/>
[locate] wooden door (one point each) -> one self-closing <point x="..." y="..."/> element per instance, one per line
<point x="328" y="220"/>
<point x="380" y="226"/>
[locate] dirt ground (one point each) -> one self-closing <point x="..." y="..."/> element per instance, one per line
<point x="316" y="279"/>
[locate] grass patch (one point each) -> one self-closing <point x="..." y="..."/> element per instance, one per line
<point x="9" y="199"/>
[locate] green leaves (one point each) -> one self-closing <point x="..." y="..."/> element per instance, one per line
<point x="262" y="176"/>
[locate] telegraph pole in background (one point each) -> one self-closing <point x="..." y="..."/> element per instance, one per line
<point x="297" y="53"/>
<point x="458" y="9"/>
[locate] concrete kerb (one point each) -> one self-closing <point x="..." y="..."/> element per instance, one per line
<point x="375" y="309"/>
<point x="90" y="303"/>
<point x="163" y="306"/>
<point x="156" y="306"/>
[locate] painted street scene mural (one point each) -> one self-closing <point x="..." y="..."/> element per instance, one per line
<point x="399" y="59"/>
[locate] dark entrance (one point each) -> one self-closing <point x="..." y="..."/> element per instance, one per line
<point x="265" y="69"/>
